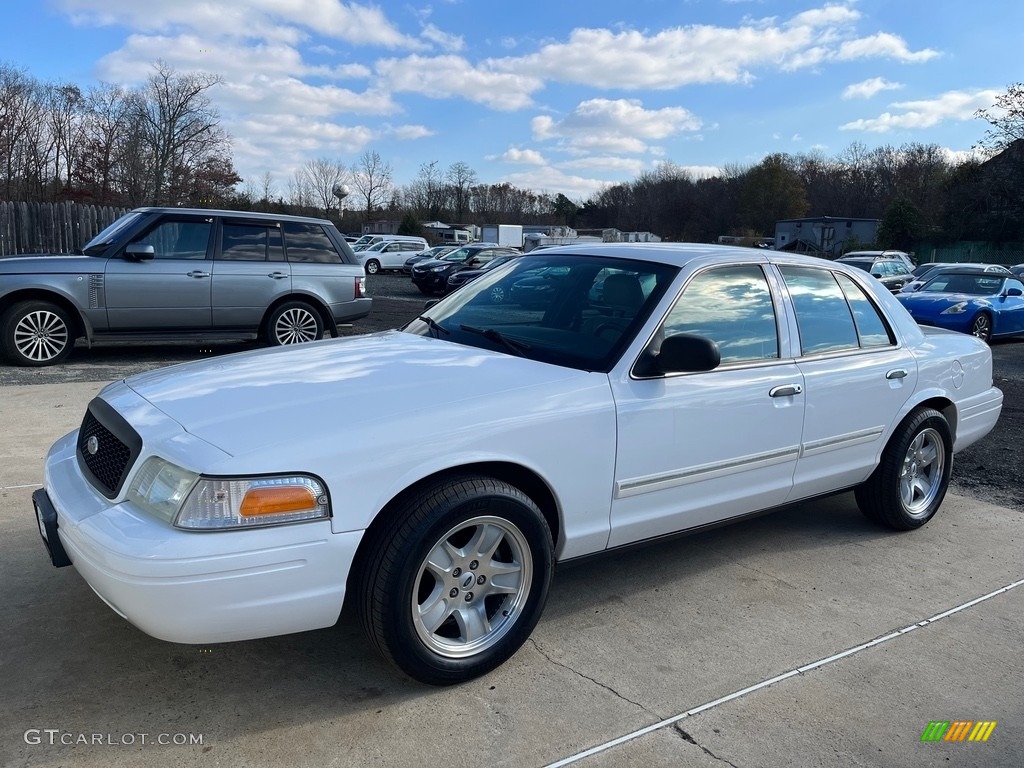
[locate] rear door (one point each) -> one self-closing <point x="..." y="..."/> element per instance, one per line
<point x="249" y="272"/>
<point x="316" y="265"/>
<point x="171" y="291"/>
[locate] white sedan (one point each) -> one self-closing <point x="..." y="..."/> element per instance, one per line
<point x="641" y="391"/>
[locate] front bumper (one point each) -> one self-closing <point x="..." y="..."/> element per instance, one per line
<point x="196" y="587"/>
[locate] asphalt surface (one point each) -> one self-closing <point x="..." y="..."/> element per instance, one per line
<point x="808" y="637"/>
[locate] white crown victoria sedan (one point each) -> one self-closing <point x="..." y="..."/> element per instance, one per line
<point x="637" y="391"/>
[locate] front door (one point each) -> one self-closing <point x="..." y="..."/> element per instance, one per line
<point x="170" y="291"/>
<point x="701" y="447"/>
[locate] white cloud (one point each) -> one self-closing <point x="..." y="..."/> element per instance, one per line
<point x="620" y="125"/>
<point x="865" y="89"/>
<point x="882" y="45"/>
<point x="548" y="179"/>
<point x="442" y="77"/>
<point x="442" y="39"/>
<point x="625" y="165"/>
<point x="680" y="56"/>
<point x="952" y="105"/>
<point x="354" y="23"/>
<point x="521" y="156"/>
<point x="410" y="132"/>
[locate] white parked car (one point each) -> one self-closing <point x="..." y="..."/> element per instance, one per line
<point x="654" y="389"/>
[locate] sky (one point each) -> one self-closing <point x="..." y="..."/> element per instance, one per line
<point x="559" y="97"/>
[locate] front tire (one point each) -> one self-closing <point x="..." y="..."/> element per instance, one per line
<point x="36" y="333"/>
<point x="294" y="322"/>
<point x="981" y="327"/>
<point x="372" y="267"/>
<point x="456" y="586"/>
<point x="908" y="486"/>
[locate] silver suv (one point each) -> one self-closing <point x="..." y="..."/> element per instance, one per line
<point x="174" y="273"/>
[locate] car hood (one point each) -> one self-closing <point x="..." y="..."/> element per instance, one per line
<point x="275" y="397"/>
<point x="42" y="263"/>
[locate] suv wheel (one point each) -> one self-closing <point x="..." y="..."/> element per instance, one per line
<point x="36" y="333"/>
<point x="294" y="322"/>
<point x="372" y="267"/>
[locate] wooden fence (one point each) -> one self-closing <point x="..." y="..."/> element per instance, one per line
<point x="51" y="227"/>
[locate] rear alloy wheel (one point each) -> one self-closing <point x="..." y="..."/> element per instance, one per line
<point x="905" y="490"/>
<point x="372" y="267"/>
<point x="982" y="327"/>
<point x="36" y="333"/>
<point x="457" y="586"/>
<point x="294" y="322"/>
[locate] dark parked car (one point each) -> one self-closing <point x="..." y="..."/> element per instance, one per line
<point x="176" y="273"/>
<point x="431" y="276"/>
<point x="938" y="269"/>
<point x="434" y="252"/>
<point x="463" y="276"/>
<point x="891" y="271"/>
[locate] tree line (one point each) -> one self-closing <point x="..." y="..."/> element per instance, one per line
<point x="162" y="144"/>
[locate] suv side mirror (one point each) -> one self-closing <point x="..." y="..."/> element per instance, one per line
<point x="139" y="252"/>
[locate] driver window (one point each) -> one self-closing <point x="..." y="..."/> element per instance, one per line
<point x="178" y="239"/>
<point x="733" y="307"/>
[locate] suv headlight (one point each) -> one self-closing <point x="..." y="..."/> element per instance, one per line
<point x="442" y="268"/>
<point x="194" y="502"/>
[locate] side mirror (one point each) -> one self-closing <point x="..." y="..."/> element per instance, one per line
<point x="430" y="303"/>
<point x="139" y="252"/>
<point x="1014" y="292"/>
<point x="680" y="353"/>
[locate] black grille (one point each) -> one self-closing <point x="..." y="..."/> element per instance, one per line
<point x="107" y="447"/>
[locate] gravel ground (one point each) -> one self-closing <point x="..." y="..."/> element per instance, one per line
<point x="987" y="471"/>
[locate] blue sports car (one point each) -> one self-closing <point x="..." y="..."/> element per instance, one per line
<point x="985" y="304"/>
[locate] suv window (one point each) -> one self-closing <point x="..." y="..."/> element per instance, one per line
<point x="309" y="243"/>
<point x="178" y="239"/>
<point x="733" y="307"/>
<point x="250" y="242"/>
<point x="822" y="314"/>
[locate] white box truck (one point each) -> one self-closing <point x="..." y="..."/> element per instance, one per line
<point x="509" y="235"/>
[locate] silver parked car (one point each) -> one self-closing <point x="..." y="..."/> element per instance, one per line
<point x="173" y="273"/>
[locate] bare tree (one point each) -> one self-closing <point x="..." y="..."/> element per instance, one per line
<point x="65" y="108"/>
<point x="461" y="178"/>
<point x="1005" y="119"/>
<point x="267" y="186"/>
<point x="322" y="176"/>
<point x="371" y="177"/>
<point x="181" y="127"/>
<point x="105" y="124"/>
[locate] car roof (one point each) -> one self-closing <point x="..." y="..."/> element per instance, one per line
<point x="681" y="254"/>
<point x="235" y="214"/>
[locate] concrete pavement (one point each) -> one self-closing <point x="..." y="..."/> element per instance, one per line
<point x="627" y="642"/>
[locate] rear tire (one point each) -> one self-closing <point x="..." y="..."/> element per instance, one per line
<point x="36" y="333"/>
<point x="908" y="486"/>
<point x="457" y="581"/>
<point x="294" y="322"/>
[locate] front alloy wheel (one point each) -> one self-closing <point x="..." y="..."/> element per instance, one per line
<point x="982" y="327"/>
<point x="36" y="333"/>
<point x="453" y="583"/>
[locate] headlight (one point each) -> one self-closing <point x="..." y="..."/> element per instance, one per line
<point x="957" y="309"/>
<point x="442" y="268"/>
<point x="195" y="502"/>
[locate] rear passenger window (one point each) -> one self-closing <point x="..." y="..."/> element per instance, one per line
<point x="733" y="307"/>
<point x="822" y="314"/>
<point x="309" y="243"/>
<point x="250" y="242"/>
<point x="871" y="328"/>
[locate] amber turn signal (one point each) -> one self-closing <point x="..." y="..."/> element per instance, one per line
<point x="275" y="500"/>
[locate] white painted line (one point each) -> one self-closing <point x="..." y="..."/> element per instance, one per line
<point x="779" y="678"/>
<point x="12" y="487"/>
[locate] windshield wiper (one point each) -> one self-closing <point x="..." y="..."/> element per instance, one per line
<point x="513" y="346"/>
<point x="433" y="324"/>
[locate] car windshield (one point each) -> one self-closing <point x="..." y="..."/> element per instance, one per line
<point x="980" y="284"/>
<point x="565" y="309"/>
<point x="99" y="244"/>
<point x="460" y="254"/>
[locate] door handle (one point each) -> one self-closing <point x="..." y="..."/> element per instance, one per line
<point x="197" y="273"/>
<point x="278" y="275"/>
<point x="897" y="373"/>
<point x="785" y="390"/>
